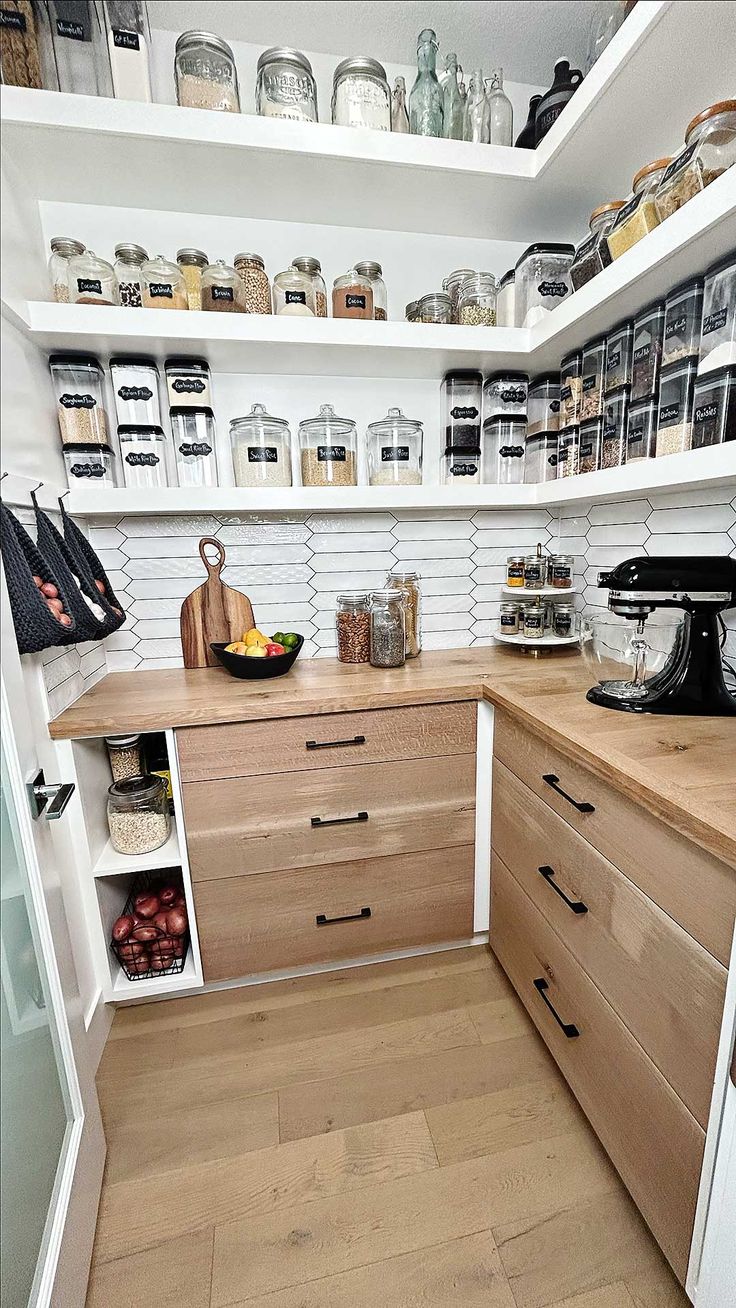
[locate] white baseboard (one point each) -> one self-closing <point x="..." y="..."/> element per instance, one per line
<point x="97" y="1022"/>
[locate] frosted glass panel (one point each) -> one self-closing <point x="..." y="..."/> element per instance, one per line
<point x="34" y="1106"/>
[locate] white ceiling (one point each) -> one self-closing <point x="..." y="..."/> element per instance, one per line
<point x="524" y="37"/>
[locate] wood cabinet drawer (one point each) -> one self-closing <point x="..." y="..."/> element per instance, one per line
<point x="667" y="989"/>
<point x="654" y="1142"/>
<point x="258" y="924"/>
<point x="244" y="749"/>
<point x="694" y="888"/>
<point x="250" y="825"/>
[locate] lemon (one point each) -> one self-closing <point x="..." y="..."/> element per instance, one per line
<point x="255" y="637"/>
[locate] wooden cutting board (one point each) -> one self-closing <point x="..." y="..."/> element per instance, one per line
<point x="212" y="612"/>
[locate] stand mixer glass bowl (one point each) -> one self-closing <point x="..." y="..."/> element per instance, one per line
<point x="624" y="654"/>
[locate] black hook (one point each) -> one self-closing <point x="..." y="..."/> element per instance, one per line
<point x="63" y="497"/>
<point x="4" y="475"/>
<point x="33" y="494"/>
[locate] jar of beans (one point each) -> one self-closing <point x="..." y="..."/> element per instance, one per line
<point x="252" y="272"/>
<point x="125" y="755"/>
<point x="128" y="260"/>
<point x="353" y="626"/>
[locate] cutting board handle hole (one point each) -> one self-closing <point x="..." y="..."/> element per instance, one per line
<point x="212" y="565"/>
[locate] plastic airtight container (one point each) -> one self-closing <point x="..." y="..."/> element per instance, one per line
<point x="505" y="395"/>
<point x="594" y="358"/>
<point x="135" y="386"/>
<point x="718" y="329"/>
<point x="328" y="446"/>
<point x="461" y="467"/>
<point x="613" y="439"/>
<point x="568" y="452"/>
<point x="193" y="430"/>
<point x="504" y="441"/>
<point x="543" y="404"/>
<point x="540" y="458"/>
<point x="675" y="416"/>
<point x="714" y="408"/>
<point x="641" y="431"/>
<point x="683" y="312"/>
<point x="571" y="387"/>
<point x="78" y="380"/>
<point x="542" y="281"/>
<point x="647" y="352"/>
<point x="188" y="383"/>
<point x="618" y="357"/>
<point x="589" y="453"/>
<point x="90" y="465"/>
<point x="143" y="455"/>
<point x="261" y="449"/>
<point x="395" y="451"/>
<point x="462" y="397"/>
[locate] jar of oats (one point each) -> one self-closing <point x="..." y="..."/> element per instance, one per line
<point x="138" y="814"/>
<point x="192" y="264"/>
<point x="252" y="272"/>
<point x="125" y="755"/>
<point x="205" y="73"/>
<point x="63" y="248"/>
<point x="328" y="446"/>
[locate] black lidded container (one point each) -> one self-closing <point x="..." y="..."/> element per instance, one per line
<point x="714" y="408"/>
<point x="683" y="311"/>
<point x="647" y="351"/>
<point x="462" y="402"/>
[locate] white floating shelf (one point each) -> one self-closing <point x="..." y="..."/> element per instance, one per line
<point x="531" y="642"/>
<point x="547" y="592"/>
<point x="121" y="988"/>
<point x="111" y="863"/>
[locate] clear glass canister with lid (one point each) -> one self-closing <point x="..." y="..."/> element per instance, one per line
<point x="639" y="214"/>
<point x="205" y="73"/>
<point x="718" y="329"/>
<point x="261" y="449"/>
<point x="138" y="814"/>
<point x="353" y="627"/>
<point x="293" y="294"/>
<point x="618" y="357"/>
<point x="462" y="397"/>
<point x="312" y="268"/>
<point x="571" y="387"/>
<point x="505" y="395"/>
<point x="504" y="442"/>
<point x="143" y="455"/>
<point x="63" y="248"/>
<point x="594" y="359"/>
<point x="543" y="404"/>
<point x="222" y="289"/>
<point x="129" y="258"/>
<point x="592" y="256"/>
<point x="135" y="387"/>
<point x="451" y="286"/>
<point x="193" y="430"/>
<point x="192" y="263"/>
<point x="710" y="148"/>
<point x="542" y="281"/>
<point x="477" y="301"/>
<point x="374" y="272"/>
<point x="285" y="85"/>
<point x="352" y="296"/>
<point x="388" y="629"/>
<point x="252" y="271"/>
<point x="125" y="755"/>
<point x="163" y="285"/>
<point x="360" y="94"/>
<point x="328" y="446"/>
<point x="188" y="382"/>
<point x="435" y="307"/>
<point x="92" y="280"/>
<point x="407" y="583"/>
<point x="78" y="384"/>
<point x="683" y="313"/>
<point x="395" y="450"/>
<point x="80" y="48"/>
<point x="505" y="300"/>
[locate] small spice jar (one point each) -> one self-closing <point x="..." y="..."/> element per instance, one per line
<point x="714" y="408"/>
<point x="503" y="451"/>
<point x="78" y="383"/>
<point x="589" y="453"/>
<point x="63" y="248"/>
<point x="451" y="286"/>
<point x="718" y="330"/>
<point x="594" y="355"/>
<point x="560" y="570"/>
<point x="505" y="306"/>
<point x="252" y="272"/>
<point x="143" y="455"/>
<point x="571" y="387"/>
<point x="135" y="387"/>
<point x="193" y="430"/>
<point x="505" y="395"/>
<point x="205" y="73"/>
<point x="436" y="307"/>
<point x="328" y="446"/>
<point x="613" y="438"/>
<point x="515" y="570"/>
<point x="647" y="351"/>
<point x="592" y="256"/>
<point x="261" y="449"/>
<point x="462" y="397"/>
<point x="543" y="404"/>
<point x="639" y="214"/>
<point x="540" y="458"/>
<point x="568" y="452"/>
<point x="710" y="148"/>
<point x="388" y="629"/>
<point x="360" y="95"/>
<point x="374" y="272"/>
<point x="408" y="584"/>
<point x="352" y="296"/>
<point x="89" y="463"/>
<point x="125" y="755"/>
<point x="353" y="627"/>
<point x="508" y="620"/>
<point x="564" y="620"/>
<point x="395" y="451"/>
<point x="138" y="814"/>
<point x="477" y="301"/>
<point x="461" y="467"/>
<point x="675" y="415"/>
<point x="188" y="383"/>
<point x="641" y="430"/>
<point x="618" y="357"/>
<point x="293" y="294"/>
<point x="542" y="281"/>
<point x="535" y="572"/>
<point x="128" y="260"/>
<point x="285" y="85"/>
<point x="192" y="263"/>
<point x="162" y="285"/>
<point x="683" y="313"/>
<point x="535" y="617"/>
<point x="92" y="280"/>
<point x="411" y="312"/>
<point x="312" y="268"/>
<point x="222" y="289"/>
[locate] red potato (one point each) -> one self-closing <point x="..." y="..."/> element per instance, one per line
<point x="65" y="620"/>
<point x="147" y="904"/>
<point x="145" y="933"/>
<point x="122" y="928"/>
<point x="131" y="949"/>
<point x="56" y="606"/>
<point x="179" y="947"/>
<point x="49" y="589"/>
<point x="37" y="581"/>
<point x="167" y="944"/>
<point x="176" y="922"/>
<point x="169" y="895"/>
<point x="139" y="966"/>
<point x="180" y="902"/>
<point x="161" y="962"/>
<point x="100" y="586"/>
<point x="159" y="921"/>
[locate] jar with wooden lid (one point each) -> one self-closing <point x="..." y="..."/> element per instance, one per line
<point x="222" y="289"/>
<point x="92" y="280"/>
<point x="163" y="285"/>
<point x="639" y="214"/>
<point x="252" y="271"/>
<point x="293" y="295"/>
<point x="129" y="259"/>
<point x="192" y="263"/>
<point x="63" y="248"/>
<point x="374" y="273"/>
<point x="312" y="268"/>
<point x="593" y="255"/>
<point x="710" y="148"/>
<point x="205" y="73"/>
<point x="408" y="584"/>
<point x="328" y="446"/>
<point x="353" y="627"/>
<point x="352" y="296"/>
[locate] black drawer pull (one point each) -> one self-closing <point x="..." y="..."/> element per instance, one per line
<point x="554" y="782"/>
<point x="576" y="905"/>
<point x="334" y="744"/>
<point x="349" y="917"/>
<point x="569" y="1028"/>
<point x="338" y="822"/>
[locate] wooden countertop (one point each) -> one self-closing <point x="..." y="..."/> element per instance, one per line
<point x="682" y="769"/>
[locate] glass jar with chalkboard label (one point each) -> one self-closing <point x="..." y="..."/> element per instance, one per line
<point x="328" y="446"/>
<point x="80" y="49"/>
<point x="129" y="44"/>
<point x="92" y="280"/>
<point x="508" y="620"/>
<point x="592" y="255"/>
<point x="193" y="430"/>
<point x="352" y="295"/>
<point x="293" y="294"/>
<point x="222" y="289"/>
<point x="163" y="285"/>
<point x="261" y="449"/>
<point x="395" y="451"/>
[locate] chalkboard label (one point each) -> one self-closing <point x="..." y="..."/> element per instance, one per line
<point x="676" y="328"/>
<point x="12" y="19"/>
<point x="141" y="459"/>
<point x="513" y="395"/>
<point x="713" y="322"/>
<point x="511" y="452"/>
<point x="394" y="454"/>
<point x="556" y="289"/>
<point x="188" y="386"/>
<point x="68" y="401"/>
<point x="135" y="393"/>
<point x="331" y="453"/>
<point x="464" y="469"/>
<point x="354" y="301"/>
<point x="613" y="360"/>
<point x="510" y="620"/>
<point x="87" y="470"/>
<point x="125" y="40"/>
<point x="630" y="207"/>
<point x="194" y="449"/>
<point x="678" y="164"/>
<point x="160" y="290"/>
<point x="89" y="286"/>
<point x="642" y="352"/>
<point x="705" y="413"/>
<point x="263" y="454"/>
<point x="74" y="31"/>
<point x="669" y="414"/>
<point x="464" y="412"/>
<point x="225" y="293"/>
<point x="589" y="383"/>
<point x="295" y="297"/>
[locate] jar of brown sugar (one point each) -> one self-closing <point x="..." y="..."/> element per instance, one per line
<point x="352" y="296"/>
<point x="222" y="289"/>
<point x="163" y="285"/>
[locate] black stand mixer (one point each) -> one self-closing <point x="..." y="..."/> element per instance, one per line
<point x="691" y="680"/>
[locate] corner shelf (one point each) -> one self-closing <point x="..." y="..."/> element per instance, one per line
<point x="121" y="988"/>
<point x="111" y="863"/>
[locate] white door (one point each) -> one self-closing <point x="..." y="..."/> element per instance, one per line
<point x="52" y="1140"/>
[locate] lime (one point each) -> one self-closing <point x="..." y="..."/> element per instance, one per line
<point x="290" y="640"/>
<point x="278" y="638"/>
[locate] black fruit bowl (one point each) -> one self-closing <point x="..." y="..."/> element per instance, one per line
<point x="239" y="665"/>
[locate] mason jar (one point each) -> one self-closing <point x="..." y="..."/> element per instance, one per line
<point x="352" y="296"/>
<point x="395" y="451"/>
<point x="388" y="629"/>
<point x="125" y="755"/>
<point x="138" y="814"/>
<point x="360" y="95"/>
<point x="92" y="280"/>
<point x="143" y="456"/>
<point x="192" y="263"/>
<point x="408" y="584"/>
<point x="353" y="627"/>
<point x="222" y="289"/>
<point x="205" y="73"/>
<point x="564" y="621"/>
<point x="312" y="268"/>
<point x="328" y="446"/>
<point x="451" y="286"/>
<point x="515" y="571"/>
<point x="163" y="285"/>
<point x="261" y="449"/>
<point x="193" y="430"/>
<point x="535" y="572"/>
<point x="285" y="85"/>
<point x="534" y="621"/>
<point x="128" y="261"/>
<point x="477" y="301"/>
<point x="63" y="248"/>
<point x="560" y="571"/>
<point x="436" y="307"/>
<point x="252" y="272"/>
<point x="508" y="619"/>
<point x="293" y="294"/>
<point x="374" y="273"/>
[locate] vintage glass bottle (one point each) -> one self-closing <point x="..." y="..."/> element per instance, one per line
<point x="476" y="126"/>
<point x="501" y="113"/>
<point x="425" y="101"/>
<point x="453" y="103"/>
<point x="399" y="115"/>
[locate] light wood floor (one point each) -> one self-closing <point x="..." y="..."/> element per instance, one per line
<point x="393" y="1136"/>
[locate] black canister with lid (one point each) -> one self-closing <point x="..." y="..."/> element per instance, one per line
<point x="462" y="394"/>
